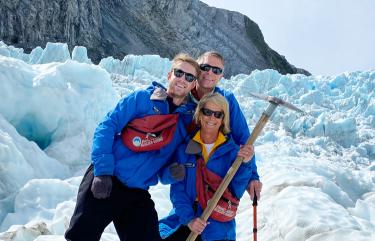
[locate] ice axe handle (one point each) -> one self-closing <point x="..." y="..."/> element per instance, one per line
<point x="261" y="123"/>
<point x="233" y="169"/>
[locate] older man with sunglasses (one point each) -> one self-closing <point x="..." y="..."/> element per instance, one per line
<point x="211" y="64"/>
<point x="126" y="160"/>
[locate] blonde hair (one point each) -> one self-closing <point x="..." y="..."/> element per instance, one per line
<point x="211" y="53"/>
<point x="218" y="100"/>
<point x="183" y="57"/>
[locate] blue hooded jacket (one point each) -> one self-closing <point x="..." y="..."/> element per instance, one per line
<point x="183" y="194"/>
<point x="136" y="169"/>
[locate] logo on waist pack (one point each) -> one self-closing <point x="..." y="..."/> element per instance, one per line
<point x="151" y="141"/>
<point x="137" y="141"/>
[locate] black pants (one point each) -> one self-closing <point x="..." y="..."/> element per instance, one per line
<point x="182" y="233"/>
<point x="131" y="210"/>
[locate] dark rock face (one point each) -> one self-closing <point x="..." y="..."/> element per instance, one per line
<point x="32" y="23"/>
<point x="120" y="27"/>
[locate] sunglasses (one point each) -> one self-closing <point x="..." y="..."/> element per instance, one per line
<point x="188" y="77"/>
<point x="207" y="67"/>
<point x="208" y="112"/>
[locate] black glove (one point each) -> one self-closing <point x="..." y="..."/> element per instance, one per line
<point x="177" y="171"/>
<point x="101" y="186"/>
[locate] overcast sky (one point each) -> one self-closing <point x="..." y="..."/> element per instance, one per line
<point x="325" y="37"/>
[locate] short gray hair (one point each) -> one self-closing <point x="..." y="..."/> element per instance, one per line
<point x="211" y="53"/>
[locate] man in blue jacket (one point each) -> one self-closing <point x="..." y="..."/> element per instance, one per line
<point x="211" y="64"/>
<point x="126" y="160"/>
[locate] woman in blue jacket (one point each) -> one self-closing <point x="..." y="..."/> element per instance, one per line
<point x="218" y="151"/>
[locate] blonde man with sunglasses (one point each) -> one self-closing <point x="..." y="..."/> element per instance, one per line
<point x="126" y="160"/>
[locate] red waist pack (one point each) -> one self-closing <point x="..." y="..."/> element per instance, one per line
<point x="150" y="132"/>
<point x="207" y="184"/>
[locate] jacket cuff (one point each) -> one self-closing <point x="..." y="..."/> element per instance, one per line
<point x="104" y="165"/>
<point x="165" y="177"/>
<point x="186" y="219"/>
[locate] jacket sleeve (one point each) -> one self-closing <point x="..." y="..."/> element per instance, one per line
<point x="178" y="156"/>
<point x="181" y="202"/>
<point x="165" y="176"/>
<point x="254" y="171"/>
<point x="242" y="177"/>
<point x="238" y="125"/>
<point x="112" y="124"/>
<point x="181" y="199"/>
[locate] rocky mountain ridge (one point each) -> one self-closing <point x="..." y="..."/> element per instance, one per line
<point x="120" y="27"/>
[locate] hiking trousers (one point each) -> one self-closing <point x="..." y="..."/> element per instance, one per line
<point x="131" y="210"/>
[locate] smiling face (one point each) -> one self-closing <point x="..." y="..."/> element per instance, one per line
<point x="207" y="79"/>
<point x="178" y="86"/>
<point x="210" y="123"/>
<point x="212" y="114"/>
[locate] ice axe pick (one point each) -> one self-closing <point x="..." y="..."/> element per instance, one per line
<point x="273" y="103"/>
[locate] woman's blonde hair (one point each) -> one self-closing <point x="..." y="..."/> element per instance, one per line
<point x="218" y="100"/>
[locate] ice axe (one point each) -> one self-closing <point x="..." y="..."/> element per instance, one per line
<point x="273" y="103"/>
